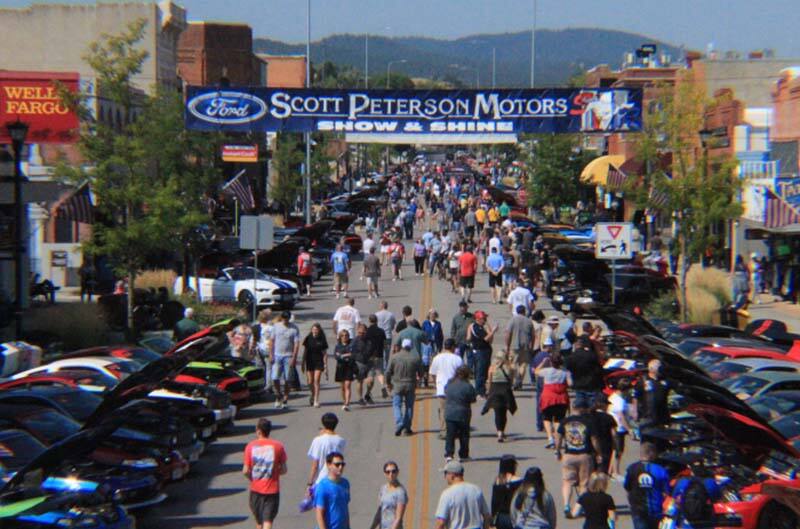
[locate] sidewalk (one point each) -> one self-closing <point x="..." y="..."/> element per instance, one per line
<point x="784" y="311"/>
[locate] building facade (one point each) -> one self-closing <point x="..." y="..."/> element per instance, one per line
<point x="209" y="52"/>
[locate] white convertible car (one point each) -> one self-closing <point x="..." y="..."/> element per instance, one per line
<point x="243" y="285"/>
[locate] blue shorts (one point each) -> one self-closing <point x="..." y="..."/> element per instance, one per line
<point x="280" y="367"/>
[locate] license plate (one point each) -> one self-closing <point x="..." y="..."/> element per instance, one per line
<point x="207" y="432"/>
<point x="566" y="306"/>
<point x="177" y="473"/>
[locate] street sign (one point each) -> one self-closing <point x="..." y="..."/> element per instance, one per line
<point x="240" y="153"/>
<point x="255" y="232"/>
<point x="613" y="240"/>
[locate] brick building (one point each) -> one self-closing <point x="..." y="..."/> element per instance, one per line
<point x="211" y="51"/>
<point x="284" y="71"/>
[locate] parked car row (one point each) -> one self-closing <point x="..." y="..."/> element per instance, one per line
<point x="97" y="433"/>
<point x="735" y="405"/>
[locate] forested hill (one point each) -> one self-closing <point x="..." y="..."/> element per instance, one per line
<point x="560" y="54"/>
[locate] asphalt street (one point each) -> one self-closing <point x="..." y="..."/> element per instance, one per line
<point x="215" y="492"/>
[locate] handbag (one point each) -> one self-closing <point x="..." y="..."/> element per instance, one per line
<point x="294" y="379"/>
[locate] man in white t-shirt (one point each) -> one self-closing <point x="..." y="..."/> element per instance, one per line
<point x="461" y="505"/>
<point x="346" y="318"/>
<point x="520" y="296"/>
<point x="323" y="444"/>
<point x="443" y="369"/>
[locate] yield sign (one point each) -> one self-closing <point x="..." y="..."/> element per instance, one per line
<point x="614" y="231"/>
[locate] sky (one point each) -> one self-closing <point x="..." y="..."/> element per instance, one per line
<point x="741" y="25"/>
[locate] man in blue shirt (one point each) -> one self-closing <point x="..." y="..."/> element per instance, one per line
<point x="495" y="265"/>
<point x="647" y="484"/>
<point x="341" y="267"/>
<point x="332" y="496"/>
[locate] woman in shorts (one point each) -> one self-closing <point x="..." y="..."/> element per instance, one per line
<point x="452" y="266"/>
<point x="554" y="402"/>
<point x="386" y="242"/>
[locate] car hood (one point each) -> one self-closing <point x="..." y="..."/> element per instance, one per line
<point x="743" y="431"/>
<point x="138" y="385"/>
<point x="82" y="443"/>
<point x="620" y="319"/>
<point x="785" y="492"/>
<point x="708" y="393"/>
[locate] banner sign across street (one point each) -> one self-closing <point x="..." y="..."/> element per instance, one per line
<point x="613" y="240"/>
<point x="557" y="110"/>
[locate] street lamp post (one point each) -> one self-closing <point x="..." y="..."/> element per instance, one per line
<point x="18" y="131"/>
<point x="533" y="46"/>
<point x="307" y="175"/>
<point x="389" y="69"/>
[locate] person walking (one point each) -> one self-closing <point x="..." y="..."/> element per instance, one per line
<point x="577" y="436"/>
<point x="401" y="378"/>
<point x="494" y="265"/>
<point x="619" y="409"/>
<point x="346" y="318"/>
<point x="462" y="504"/>
<point x="305" y="270"/>
<point x="396" y="253"/>
<point x="372" y="272"/>
<point x="597" y="505"/>
<point x="325" y="443"/>
<point x="500" y="397"/>
<point x="184" y="327"/>
<point x="586" y="369"/>
<point x="88" y="276"/>
<point x="345" y="367"/>
<point x="505" y="485"/>
<point x="359" y="348"/>
<point x="443" y="369"/>
<point x="264" y="464"/>
<point x="459" y="395"/>
<point x="432" y="328"/>
<point x="283" y="357"/>
<point x="606" y="427"/>
<point x="387" y="322"/>
<point x="262" y="344"/>
<point x="467" y="268"/>
<point x="519" y="344"/>
<point x="647" y="484"/>
<point x="420" y="254"/>
<point x="341" y="269"/>
<point x="480" y="339"/>
<point x="332" y="495"/>
<point x="539" y="355"/>
<point x="376" y="339"/>
<point x="532" y="506"/>
<point x="520" y="296"/>
<point x="392" y="500"/>
<point x="458" y="327"/>
<point x="315" y="348"/>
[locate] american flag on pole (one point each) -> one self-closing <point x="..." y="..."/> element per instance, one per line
<point x="658" y="198"/>
<point x="778" y="212"/>
<point x="616" y="178"/>
<point x="78" y="207"/>
<point x="240" y="188"/>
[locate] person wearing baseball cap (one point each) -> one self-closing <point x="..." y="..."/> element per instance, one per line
<point x="479" y="337"/>
<point x="401" y="379"/>
<point x="458" y="327"/>
<point x="462" y="504"/>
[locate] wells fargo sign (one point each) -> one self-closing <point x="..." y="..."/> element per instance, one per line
<point x="32" y="97"/>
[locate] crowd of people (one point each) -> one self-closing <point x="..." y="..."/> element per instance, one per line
<point x="466" y="238"/>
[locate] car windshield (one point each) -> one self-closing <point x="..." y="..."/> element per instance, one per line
<point x="50" y="426"/>
<point x="788" y="426"/>
<point x="708" y="358"/>
<point x="773" y="406"/>
<point x="158" y="344"/>
<point x="139" y="354"/>
<point x="80" y="404"/>
<point x="245" y="273"/>
<point x="124" y="368"/>
<point x="724" y="370"/>
<point x="17" y="449"/>
<point x="744" y="385"/>
<point x="90" y="378"/>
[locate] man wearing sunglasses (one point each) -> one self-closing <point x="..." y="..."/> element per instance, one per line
<point x="332" y="496"/>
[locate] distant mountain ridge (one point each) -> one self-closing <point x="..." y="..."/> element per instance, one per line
<point x="559" y="54"/>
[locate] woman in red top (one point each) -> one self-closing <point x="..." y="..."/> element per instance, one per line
<point x="396" y="253"/>
<point x="467" y="267"/>
<point x="554" y="402"/>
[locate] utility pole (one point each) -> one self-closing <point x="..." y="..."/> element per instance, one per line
<point x="366" y="60"/>
<point x="494" y="67"/>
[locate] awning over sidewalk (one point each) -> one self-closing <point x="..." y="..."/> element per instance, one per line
<point x="32" y="191"/>
<point x="596" y="171"/>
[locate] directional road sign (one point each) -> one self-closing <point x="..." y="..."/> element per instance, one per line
<point x="613" y="240"/>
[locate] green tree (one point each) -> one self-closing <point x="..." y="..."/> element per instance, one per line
<point x="287" y="183"/>
<point x="554" y="166"/>
<point x="320" y="163"/>
<point x="397" y="81"/>
<point x="700" y="192"/>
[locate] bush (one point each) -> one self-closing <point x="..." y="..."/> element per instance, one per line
<point x="708" y="290"/>
<point x="664" y="307"/>
<point x="209" y="313"/>
<point x="72" y="325"/>
<point x="703" y="306"/>
<point x="155" y="279"/>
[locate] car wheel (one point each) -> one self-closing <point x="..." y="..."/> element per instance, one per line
<point x="776" y="516"/>
<point x="246" y="299"/>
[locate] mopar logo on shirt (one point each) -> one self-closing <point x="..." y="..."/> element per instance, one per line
<point x="227" y="107"/>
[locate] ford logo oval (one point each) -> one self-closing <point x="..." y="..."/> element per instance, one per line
<point x="226" y="107"/>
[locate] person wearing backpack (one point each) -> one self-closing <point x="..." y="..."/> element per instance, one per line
<point x="694" y="500"/>
<point x="647" y="484"/>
